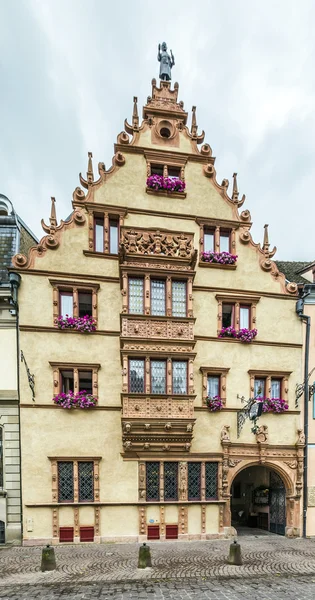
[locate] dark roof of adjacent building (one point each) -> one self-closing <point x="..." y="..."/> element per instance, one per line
<point x="15" y="236"/>
<point x="291" y="270"/>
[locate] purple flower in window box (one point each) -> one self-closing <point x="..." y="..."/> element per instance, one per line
<point x="214" y="403"/>
<point x="275" y="405"/>
<point x="228" y="332"/>
<point x="246" y="335"/>
<point x="75" y="400"/>
<point x="221" y="258"/>
<point x="170" y="184"/>
<point x="84" y="324"/>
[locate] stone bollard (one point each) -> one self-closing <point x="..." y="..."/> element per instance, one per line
<point x="235" y="557"/>
<point x="48" y="559"/>
<point x="144" y="557"/>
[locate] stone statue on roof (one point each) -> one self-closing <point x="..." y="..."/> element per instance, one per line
<point x="167" y="62"/>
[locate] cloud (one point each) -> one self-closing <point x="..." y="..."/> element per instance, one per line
<point x="70" y="70"/>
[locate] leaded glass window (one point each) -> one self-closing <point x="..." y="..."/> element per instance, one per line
<point x="153" y="480"/>
<point x="158" y="376"/>
<point x="211" y="480"/>
<point x="276" y="388"/>
<point x="213" y="386"/>
<point x="135" y="295"/>
<point x="179" y="377"/>
<point x="179" y="299"/>
<point x="86" y="481"/>
<point x="170" y="481"/>
<point x="136" y="376"/>
<point x="65" y="482"/>
<point x="260" y="388"/>
<point x="158" y="297"/>
<point x="194" y="480"/>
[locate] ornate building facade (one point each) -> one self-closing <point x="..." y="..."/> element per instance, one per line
<point x="146" y="316"/>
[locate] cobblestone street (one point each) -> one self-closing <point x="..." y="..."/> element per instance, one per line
<point x="273" y="566"/>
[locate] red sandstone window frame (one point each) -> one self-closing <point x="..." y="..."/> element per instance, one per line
<point x="77" y="368"/>
<point x="74" y="288"/>
<point x="182" y="482"/>
<point x="237" y="302"/>
<point x="54" y="460"/>
<point x="218" y="230"/>
<point x="268" y="376"/>
<point x="220" y="372"/>
<point x="106" y="219"/>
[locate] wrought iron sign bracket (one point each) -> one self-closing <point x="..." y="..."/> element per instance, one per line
<point x="30" y="377"/>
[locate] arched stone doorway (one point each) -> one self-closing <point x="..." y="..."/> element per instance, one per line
<point x="258" y="499"/>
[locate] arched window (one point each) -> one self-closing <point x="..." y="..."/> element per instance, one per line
<point x="1" y="457"/>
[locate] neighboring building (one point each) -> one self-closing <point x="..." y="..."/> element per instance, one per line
<point x="15" y="236"/>
<point x="151" y="460"/>
<point x="304" y="275"/>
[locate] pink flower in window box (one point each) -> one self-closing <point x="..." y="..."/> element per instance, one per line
<point x="275" y="405"/>
<point x="214" y="403"/>
<point x="220" y="258"/>
<point x="170" y="184"/>
<point x="84" y="324"/>
<point x="79" y="400"/>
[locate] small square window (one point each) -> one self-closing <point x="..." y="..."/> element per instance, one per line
<point x="157" y="170"/>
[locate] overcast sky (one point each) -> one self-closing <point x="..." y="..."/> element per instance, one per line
<point x="70" y="68"/>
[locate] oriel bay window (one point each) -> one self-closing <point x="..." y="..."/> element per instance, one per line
<point x="74" y="299"/>
<point x="156" y="376"/>
<point x="157" y="296"/>
<point x="199" y="480"/>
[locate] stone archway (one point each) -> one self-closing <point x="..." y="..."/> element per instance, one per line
<point x="258" y="499"/>
<point x="287" y="462"/>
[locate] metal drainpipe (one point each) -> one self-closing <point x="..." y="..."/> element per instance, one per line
<point x="307" y="320"/>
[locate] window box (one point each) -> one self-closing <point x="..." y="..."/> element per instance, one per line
<point x="274" y="405"/>
<point x="168" y="184"/>
<point x="71" y="400"/>
<point x="84" y="324"/>
<point x="220" y="258"/>
<point x="245" y="335"/>
<point x="73" y="300"/>
<point x="214" y="403"/>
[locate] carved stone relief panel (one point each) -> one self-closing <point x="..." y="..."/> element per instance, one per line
<point x="162" y="408"/>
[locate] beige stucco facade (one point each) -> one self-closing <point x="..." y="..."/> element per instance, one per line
<point x="127" y="430"/>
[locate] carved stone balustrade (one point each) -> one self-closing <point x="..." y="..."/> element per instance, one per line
<point x="158" y="328"/>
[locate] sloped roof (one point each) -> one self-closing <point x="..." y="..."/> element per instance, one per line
<point x="291" y="270"/>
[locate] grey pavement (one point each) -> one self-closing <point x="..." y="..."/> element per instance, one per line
<point x="273" y="566"/>
<point x="269" y="588"/>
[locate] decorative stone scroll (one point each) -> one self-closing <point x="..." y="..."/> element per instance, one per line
<point x="156" y="242"/>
